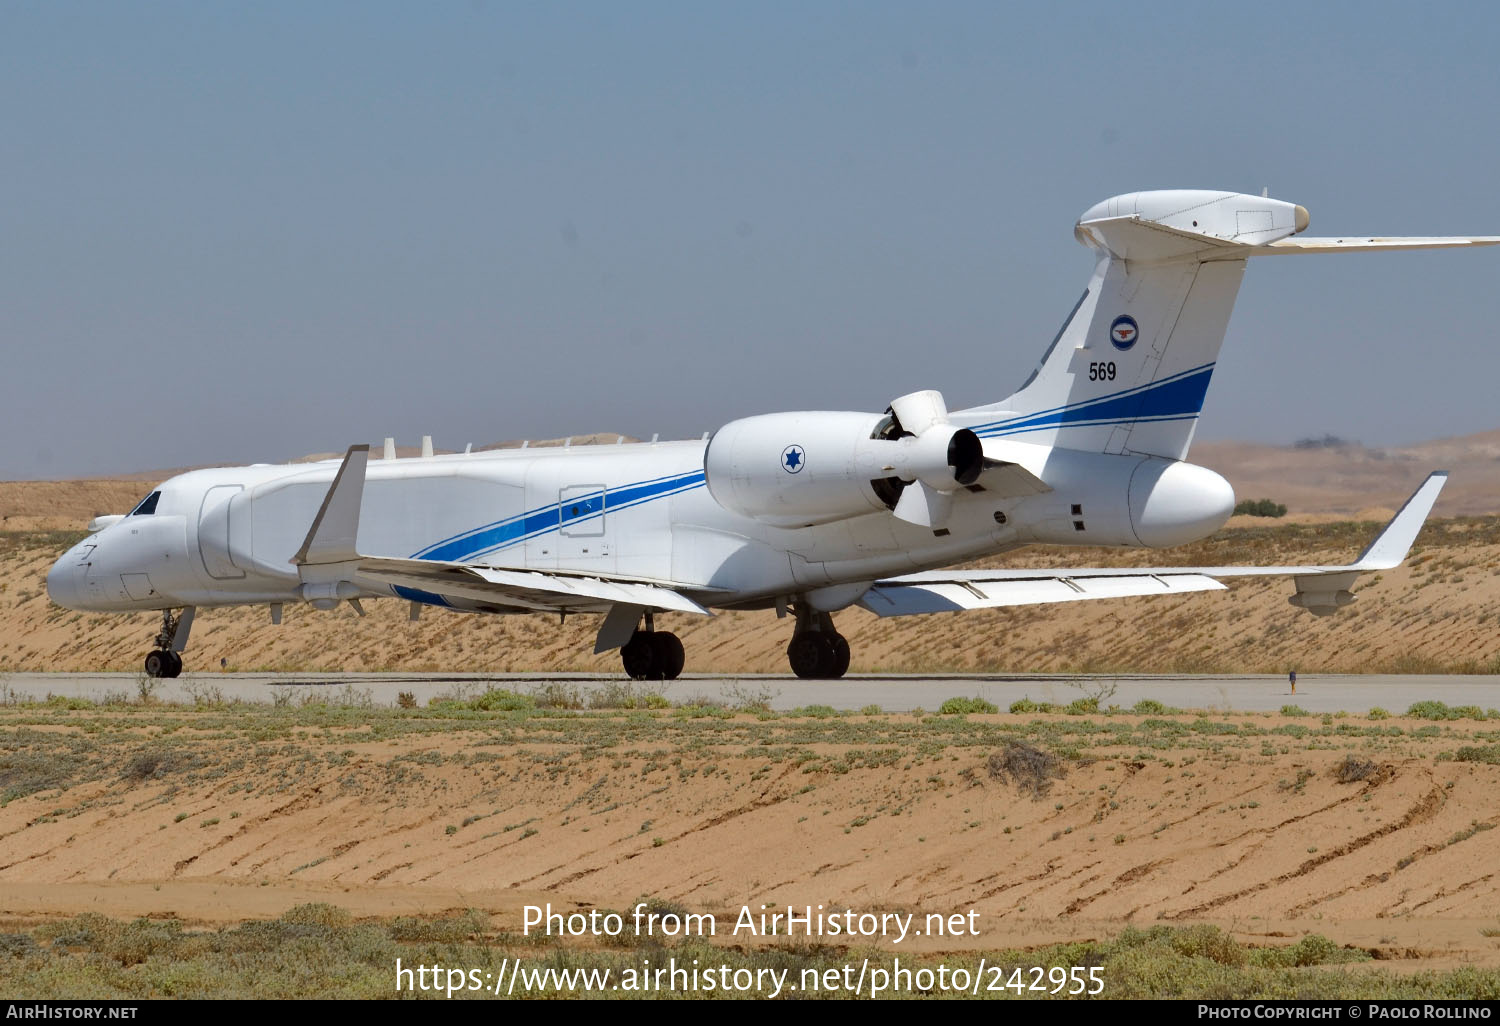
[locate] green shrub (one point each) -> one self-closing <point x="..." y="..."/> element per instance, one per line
<point x="318" y="913"/>
<point x="1260" y="508"/>
<point x="1378" y="713"/>
<point x="1478" y="753"/>
<point x="1431" y="710"/>
<point x="1151" y="707"/>
<point x="501" y="700"/>
<point x="1294" y="710"/>
<point x="1210" y="942"/>
<point x="1314" y="949"/>
<point x="961" y="706"/>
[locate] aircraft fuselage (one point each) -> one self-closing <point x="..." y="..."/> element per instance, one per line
<point x="226" y="536"/>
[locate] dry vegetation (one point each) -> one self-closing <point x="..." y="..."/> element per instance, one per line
<point x="1240" y="846"/>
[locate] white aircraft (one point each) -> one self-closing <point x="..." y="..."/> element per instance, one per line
<point x="806" y="513"/>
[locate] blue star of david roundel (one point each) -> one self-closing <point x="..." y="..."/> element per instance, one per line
<point x="793" y="459"/>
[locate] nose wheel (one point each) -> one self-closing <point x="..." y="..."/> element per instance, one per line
<point x="164" y="660"/>
<point x="163" y="663"/>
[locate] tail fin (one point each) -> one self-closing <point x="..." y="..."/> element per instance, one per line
<point x="1129" y="369"/>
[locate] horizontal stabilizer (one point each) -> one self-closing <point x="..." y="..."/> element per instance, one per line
<point x="1354" y="244"/>
<point x="1139" y="239"/>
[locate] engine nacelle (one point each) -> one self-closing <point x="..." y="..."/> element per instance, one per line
<point x="800" y="469"/>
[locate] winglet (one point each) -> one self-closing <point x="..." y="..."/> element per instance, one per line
<point x="1392" y="544"/>
<point x="334" y="530"/>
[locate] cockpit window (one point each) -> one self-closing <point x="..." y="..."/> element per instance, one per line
<point x="147" y="506"/>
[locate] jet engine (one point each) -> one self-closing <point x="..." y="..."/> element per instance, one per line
<point x="800" y="469"/>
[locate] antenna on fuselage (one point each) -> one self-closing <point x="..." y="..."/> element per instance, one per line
<point x="427" y="447"/>
<point x="390" y="449"/>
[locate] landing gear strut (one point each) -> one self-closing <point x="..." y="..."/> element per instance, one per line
<point x="651" y="654"/>
<point x="817" y="650"/>
<point x="164" y="660"/>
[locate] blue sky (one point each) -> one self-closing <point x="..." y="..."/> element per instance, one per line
<point x="244" y="232"/>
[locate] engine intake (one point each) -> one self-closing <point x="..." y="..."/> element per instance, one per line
<point x="800" y="469"/>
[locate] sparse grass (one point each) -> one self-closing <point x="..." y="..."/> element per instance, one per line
<point x="557" y="695"/>
<point x="625" y="695"/>
<point x="492" y="700"/>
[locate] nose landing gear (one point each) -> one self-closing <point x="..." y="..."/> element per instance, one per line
<point x="163" y="663"/>
<point x="165" y="660"/>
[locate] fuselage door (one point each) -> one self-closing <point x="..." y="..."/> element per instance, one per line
<point x="582" y="521"/>
<point x="213" y="532"/>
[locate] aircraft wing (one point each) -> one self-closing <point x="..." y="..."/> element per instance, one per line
<point x="1319" y="589"/>
<point x="529" y="590"/>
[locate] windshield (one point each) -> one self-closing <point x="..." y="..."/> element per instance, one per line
<point x="147" y="506"/>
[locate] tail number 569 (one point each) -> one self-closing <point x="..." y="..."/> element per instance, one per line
<point x="1102" y="371"/>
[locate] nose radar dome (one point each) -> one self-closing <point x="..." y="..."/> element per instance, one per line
<point x="62" y="581"/>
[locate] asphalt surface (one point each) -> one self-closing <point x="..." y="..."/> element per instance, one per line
<point x="893" y="693"/>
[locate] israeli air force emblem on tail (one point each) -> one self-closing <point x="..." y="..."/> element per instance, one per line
<point x="1123" y="331"/>
<point x="793" y="459"/>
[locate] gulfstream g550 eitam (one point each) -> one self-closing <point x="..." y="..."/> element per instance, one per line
<point x="805" y="513"/>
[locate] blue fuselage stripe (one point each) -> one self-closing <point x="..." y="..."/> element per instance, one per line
<point x="501" y="534"/>
<point x="1179" y="397"/>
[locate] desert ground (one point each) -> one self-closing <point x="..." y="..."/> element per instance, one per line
<point x="1373" y="829"/>
<point x="1051" y="826"/>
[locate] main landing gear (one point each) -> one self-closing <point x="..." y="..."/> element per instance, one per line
<point x="164" y="660"/>
<point x="651" y="654"/>
<point x="817" y="650"/>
